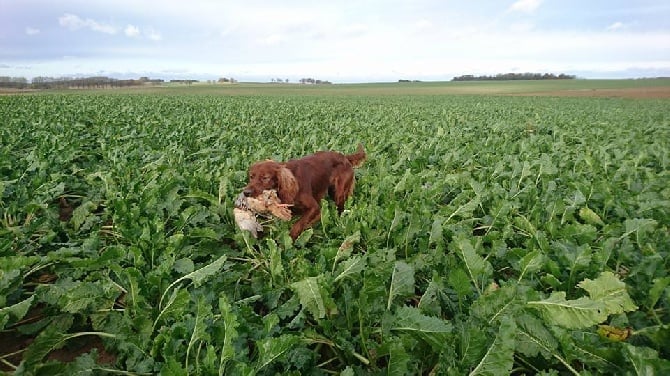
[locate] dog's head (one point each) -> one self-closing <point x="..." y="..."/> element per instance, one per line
<point x="272" y="175"/>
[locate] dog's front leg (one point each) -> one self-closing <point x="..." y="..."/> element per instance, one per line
<point x="309" y="216"/>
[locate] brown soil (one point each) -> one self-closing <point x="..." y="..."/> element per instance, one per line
<point x="662" y="92"/>
<point x="5" y="91"/>
<point x="83" y="346"/>
<point x="16" y="344"/>
<point x="13" y="345"/>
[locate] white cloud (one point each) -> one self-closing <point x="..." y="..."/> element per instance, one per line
<point x="423" y="24"/>
<point x="355" y="30"/>
<point x="522" y="27"/>
<point x="32" y="31"/>
<point x="74" y="22"/>
<point x="525" y="6"/>
<point x="132" y="31"/>
<point x="153" y="34"/>
<point x="272" y="40"/>
<point x="616" y="26"/>
<point x="71" y="21"/>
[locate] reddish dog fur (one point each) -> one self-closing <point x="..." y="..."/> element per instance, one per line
<point x="304" y="182"/>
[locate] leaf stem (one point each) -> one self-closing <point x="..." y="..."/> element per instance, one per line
<point x="7" y="363"/>
<point x="565" y="363"/>
<point x="120" y="372"/>
<point x="99" y="334"/>
<point x="3" y="356"/>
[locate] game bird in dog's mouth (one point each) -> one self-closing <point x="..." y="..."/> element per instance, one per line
<point x="266" y="204"/>
<point x="297" y="187"/>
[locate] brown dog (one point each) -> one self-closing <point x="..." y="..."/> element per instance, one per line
<point x="304" y="182"/>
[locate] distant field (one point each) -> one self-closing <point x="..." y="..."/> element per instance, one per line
<point x="654" y="88"/>
<point x="639" y="88"/>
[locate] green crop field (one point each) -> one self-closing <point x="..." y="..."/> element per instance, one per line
<point x="487" y="234"/>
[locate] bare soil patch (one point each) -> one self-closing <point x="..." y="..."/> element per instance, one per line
<point x="7" y="91"/>
<point x="661" y="92"/>
<point x="13" y="345"/>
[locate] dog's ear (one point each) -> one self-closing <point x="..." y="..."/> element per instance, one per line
<point x="287" y="184"/>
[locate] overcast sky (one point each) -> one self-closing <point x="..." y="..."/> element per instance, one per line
<point x="340" y="41"/>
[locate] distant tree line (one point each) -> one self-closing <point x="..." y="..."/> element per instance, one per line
<point x="185" y="82"/>
<point x="13" y="82"/>
<point x="72" y="83"/>
<point x="515" y="76"/>
<point x="313" y="81"/>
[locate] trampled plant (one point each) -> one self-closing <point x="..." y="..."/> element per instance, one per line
<point x="487" y="235"/>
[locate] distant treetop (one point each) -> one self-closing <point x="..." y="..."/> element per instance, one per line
<point x="515" y="76"/>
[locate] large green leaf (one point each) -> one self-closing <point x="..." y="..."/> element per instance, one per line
<point x="276" y="267"/>
<point x="202" y="274"/>
<point x="646" y="361"/>
<point x="499" y="357"/>
<point x="574" y="314"/>
<point x="347" y="247"/>
<point x="656" y="291"/>
<point x="199" y="333"/>
<point x="402" y="281"/>
<point x="15" y="312"/>
<point x="51" y="338"/>
<point x="479" y="270"/>
<point x="607" y="296"/>
<point x="172" y="367"/>
<point x="81" y="213"/>
<point x="270" y="349"/>
<point x="230" y="334"/>
<point x="351" y="267"/>
<point x="398" y="359"/>
<point x="589" y="216"/>
<point x="531" y="263"/>
<point x="610" y="291"/>
<point x="309" y="292"/>
<point x="410" y="319"/>
<point x="176" y="305"/>
<point x="79" y="296"/>
<point x="198" y="276"/>
<point x="473" y="340"/>
<point x="430" y="302"/>
<point x="534" y="338"/>
<point x="639" y="226"/>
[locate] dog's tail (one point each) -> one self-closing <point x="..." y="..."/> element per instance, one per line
<point x="358" y="157"/>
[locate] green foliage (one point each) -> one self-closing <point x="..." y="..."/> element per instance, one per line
<point x="578" y="313"/>
<point x="309" y="292"/>
<point x="499" y="357"/>
<point x="607" y="296"/>
<point x="609" y="290"/>
<point x="14" y="313"/>
<point x="486" y="235"/>
<point x="402" y="281"/>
